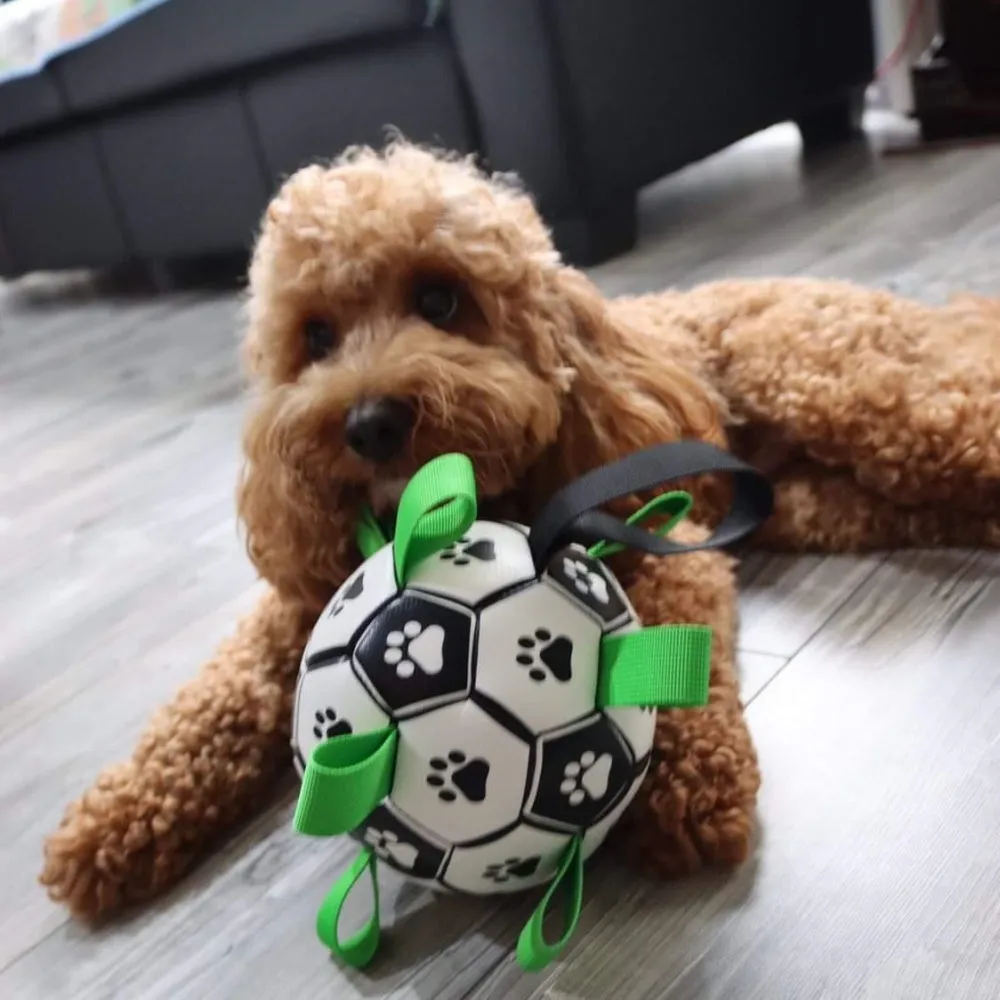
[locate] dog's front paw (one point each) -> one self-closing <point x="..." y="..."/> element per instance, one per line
<point x="696" y="806"/>
<point x="111" y="848"/>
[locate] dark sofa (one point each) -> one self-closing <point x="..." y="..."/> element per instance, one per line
<point x="162" y="139"/>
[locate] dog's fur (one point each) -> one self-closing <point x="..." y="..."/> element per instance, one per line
<point x="876" y="417"/>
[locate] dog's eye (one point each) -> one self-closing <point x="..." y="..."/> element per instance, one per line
<point x="436" y="302"/>
<point x="319" y="338"/>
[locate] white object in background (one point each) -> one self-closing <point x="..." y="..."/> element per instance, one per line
<point x="903" y="30"/>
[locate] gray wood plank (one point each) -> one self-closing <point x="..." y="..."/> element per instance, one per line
<point x="244" y="927"/>
<point x="784" y="600"/>
<point x="55" y="739"/>
<point x="755" y="210"/>
<point x="756" y="671"/>
<point x="120" y="566"/>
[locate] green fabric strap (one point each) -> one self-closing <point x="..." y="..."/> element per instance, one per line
<point x="437" y="507"/>
<point x="666" y="666"/>
<point x="533" y="951"/>
<point x="359" y="949"/>
<point x="674" y="506"/>
<point x="345" y="779"/>
<point x="369" y="534"/>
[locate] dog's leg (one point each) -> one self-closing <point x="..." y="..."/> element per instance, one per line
<point x="204" y="762"/>
<point x="904" y="396"/>
<point x="825" y="510"/>
<point x="696" y="806"/>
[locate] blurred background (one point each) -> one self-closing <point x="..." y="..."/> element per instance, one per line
<point x="154" y="131"/>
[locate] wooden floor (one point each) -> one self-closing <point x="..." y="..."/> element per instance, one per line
<point x="873" y="683"/>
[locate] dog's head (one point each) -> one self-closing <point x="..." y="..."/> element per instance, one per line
<point x="404" y="305"/>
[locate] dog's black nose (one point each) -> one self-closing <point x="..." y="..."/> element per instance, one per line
<point x="377" y="428"/>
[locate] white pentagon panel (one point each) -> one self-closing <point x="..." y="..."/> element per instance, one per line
<point x="459" y="773"/>
<point x="331" y="701"/>
<point x="416" y="654"/>
<point x="519" y="859"/>
<point x="597" y="834"/>
<point x="365" y="591"/>
<point x="538" y="656"/>
<point x="637" y="725"/>
<point x="580" y="774"/>
<point x="402" y="844"/>
<point x="591" y="585"/>
<point x="490" y="557"/>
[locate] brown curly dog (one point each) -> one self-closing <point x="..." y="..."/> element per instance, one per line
<point x="402" y="305"/>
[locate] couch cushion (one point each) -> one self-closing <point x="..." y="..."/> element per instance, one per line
<point x="28" y="100"/>
<point x="55" y="205"/>
<point x="175" y="42"/>
<point x="186" y="176"/>
<point x="350" y="97"/>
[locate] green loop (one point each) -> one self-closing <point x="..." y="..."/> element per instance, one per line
<point x="675" y="506"/>
<point x="666" y="666"/>
<point x="345" y="779"/>
<point x="437" y="507"/>
<point x="369" y="534"/>
<point x="533" y="951"/>
<point x="359" y="949"/>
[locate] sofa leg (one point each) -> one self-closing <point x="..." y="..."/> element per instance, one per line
<point x="161" y="276"/>
<point x="215" y="272"/>
<point x="836" y="121"/>
<point x="598" y="234"/>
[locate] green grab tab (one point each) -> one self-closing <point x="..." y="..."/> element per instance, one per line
<point x="666" y="666"/>
<point x="359" y="949"/>
<point x="533" y="951"/>
<point x="675" y="506"/>
<point x="369" y="534"/>
<point x="437" y="507"/>
<point x="345" y="779"/>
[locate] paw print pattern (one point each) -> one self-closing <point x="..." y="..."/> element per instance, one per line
<point x="543" y="655"/>
<point x="459" y="775"/>
<point x="586" y="778"/>
<point x="415" y="647"/>
<point x="388" y="845"/>
<point x="504" y="871"/>
<point x="352" y="593"/>
<point x="462" y="552"/>
<point x="329" y="724"/>
<point x="587" y="582"/>
<point x="590" y="584"/>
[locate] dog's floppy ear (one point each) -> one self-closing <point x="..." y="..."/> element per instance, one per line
<point x="251" y="353"/>
<point x="302" y="545"/>
<point x="627" y="391"/>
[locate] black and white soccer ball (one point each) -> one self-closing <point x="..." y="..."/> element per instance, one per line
<point x="489" y="671"/>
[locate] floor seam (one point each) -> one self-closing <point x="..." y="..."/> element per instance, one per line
<point x="878" y="564"/>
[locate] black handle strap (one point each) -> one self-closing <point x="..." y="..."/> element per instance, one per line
<point x="573" y="511"/>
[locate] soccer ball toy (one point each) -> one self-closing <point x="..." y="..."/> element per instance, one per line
<point x="476" y="704"/>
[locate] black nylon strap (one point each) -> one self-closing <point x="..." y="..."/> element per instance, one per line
<point x="573" y="511"/>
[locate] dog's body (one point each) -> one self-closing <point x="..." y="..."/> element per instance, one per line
<point x="404" y="305"/>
